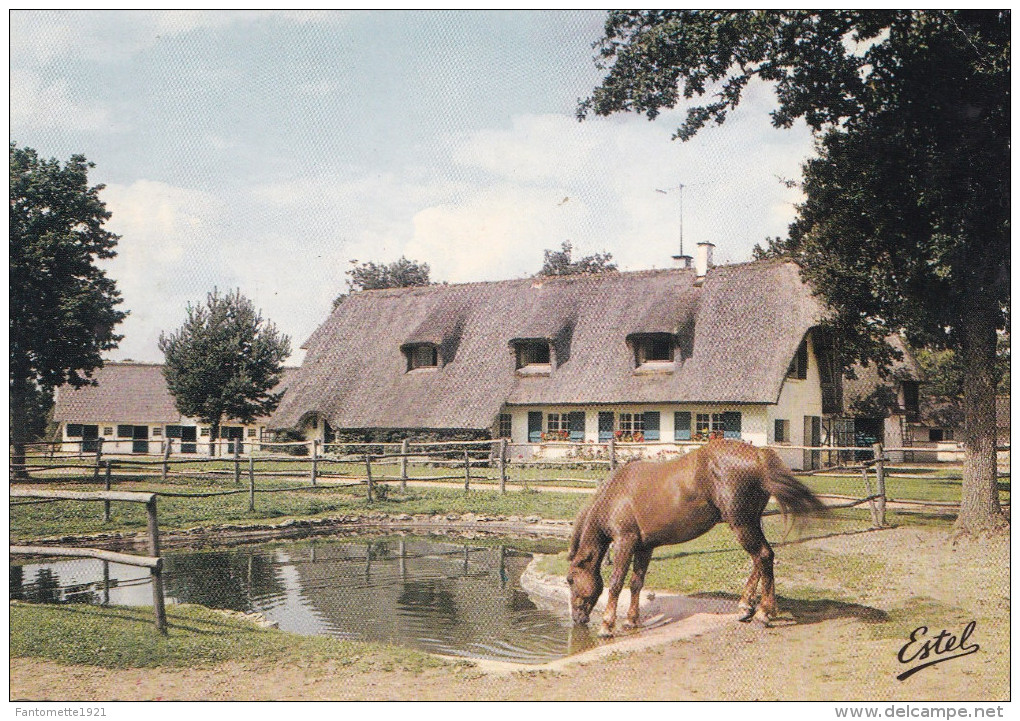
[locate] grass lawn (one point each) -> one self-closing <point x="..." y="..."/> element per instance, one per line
<point x="122" y="637"/>
<point x="715" y="561"/>
<point x="940" y="485"/>
<point x="73" y="517"/>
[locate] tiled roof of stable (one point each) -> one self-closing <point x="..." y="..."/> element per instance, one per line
<point x="125" y="392"/>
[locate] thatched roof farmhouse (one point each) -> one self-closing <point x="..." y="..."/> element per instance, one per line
<point x="667" y="355"/>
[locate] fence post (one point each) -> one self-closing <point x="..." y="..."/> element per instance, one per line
<point x="99" y="457"/>
<point x="404" y="447"/>
<point x="612" y="454"/>
<point x="880" y="482"/>
<point x="368" y="471"/>
<point x="871" y="501"/>
<point x="166" y="457"/>
<point x="106" y="504"/>
<point x="315" y="461"/>
<point x="157" y="572"/>
<point x="251" y="481"/>
<point x="467" y="471"/>
<point x="502" y="465"/>
<point x="237" y="464"/>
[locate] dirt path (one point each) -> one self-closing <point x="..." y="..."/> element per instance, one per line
<point x="836" y="651"/>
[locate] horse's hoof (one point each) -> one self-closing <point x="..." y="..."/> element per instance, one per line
<point x="747" y="612"/>
<point x="629" y="625"/>
<point x="763" y="617"/>
<point x="605" y="632"/>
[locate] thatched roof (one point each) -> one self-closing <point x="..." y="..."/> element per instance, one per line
<point x="126" y="392"/>
<point x="740" y="330"/>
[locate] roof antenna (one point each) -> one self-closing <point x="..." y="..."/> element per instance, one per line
<point x="681" y="260"/>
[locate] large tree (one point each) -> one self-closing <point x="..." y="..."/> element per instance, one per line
<point x="560" y="262"/>
<point x="224" y="362"/>
<point x="402" y="273"/>
<point x="906" y="222"/>
<point x="63" y="307"/>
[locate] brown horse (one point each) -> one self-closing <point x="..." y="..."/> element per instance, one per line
<point x="644" y="505"/>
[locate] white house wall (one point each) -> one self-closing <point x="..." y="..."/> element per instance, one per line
<point x="753" y="422"/>
<point x="113" y="445"/>
<point x="797" y="399"/>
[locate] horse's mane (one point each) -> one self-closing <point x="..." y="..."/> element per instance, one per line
<point x="575" y="538"/>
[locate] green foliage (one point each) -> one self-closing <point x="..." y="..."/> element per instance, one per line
<point x="908" y="202"/>
<point x="558" y="262"/>
<point x="906" y="222"/>
<point x="402" y="273"/>
<point x="62" y="306"/>
<point x="34" y="521"/>
<point x="120" y="637"/>
<point x="224" y="361"/>
<point x="38" y="412"/>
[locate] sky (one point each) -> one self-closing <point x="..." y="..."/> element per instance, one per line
<point x="266" y="151"/>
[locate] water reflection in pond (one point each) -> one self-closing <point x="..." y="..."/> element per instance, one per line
<point x="440" y="596"/>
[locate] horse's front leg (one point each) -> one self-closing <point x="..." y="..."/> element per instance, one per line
<point x="624" y="550"/>
<point x="642" y="557"/>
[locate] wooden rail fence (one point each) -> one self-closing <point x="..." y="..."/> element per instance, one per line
<point x="153" y="561"/>
<point x="496" y="462"/>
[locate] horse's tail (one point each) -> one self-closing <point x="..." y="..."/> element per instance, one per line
<point x="794" y="498"/>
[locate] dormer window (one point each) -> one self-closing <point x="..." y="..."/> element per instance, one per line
<point x="424" y="355"/>
<point x="799" y="364"/>
<point x="653" y="350"/>
<point x="533" y="353"/>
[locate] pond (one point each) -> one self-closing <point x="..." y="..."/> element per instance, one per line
<point x="441" y="596"/>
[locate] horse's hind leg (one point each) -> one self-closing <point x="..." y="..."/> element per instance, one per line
<point x="624" y="550"/>
<point x="752" y="539"/>
<point x="642" y="557"/>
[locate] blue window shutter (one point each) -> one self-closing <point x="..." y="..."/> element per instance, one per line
<point x="534" y="426"/>
<point x="74" y="430"/>
<point x="682" y="426"/>
<point x="575" y="422"/>
<point x="651" y="425"/>
<point x="606" y="426"/>
<point x="731" y="424"/>
<point x="125" y="431"/>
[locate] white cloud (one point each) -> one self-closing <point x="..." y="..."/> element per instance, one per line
<point x="40" y="36"/>
<point x="163" y="257"/>
<point x="38" y="104"/>
<point x="511" y="193"/>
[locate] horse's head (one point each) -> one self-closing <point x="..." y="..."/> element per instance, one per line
<point x="585" y="583"/>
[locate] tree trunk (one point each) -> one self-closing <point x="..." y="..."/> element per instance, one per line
<point x="980" y="511"/>
<point x="19" y="419"/>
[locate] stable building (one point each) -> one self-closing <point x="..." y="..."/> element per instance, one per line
<point x="131" y="409"/>
<point x="660" y="356"/>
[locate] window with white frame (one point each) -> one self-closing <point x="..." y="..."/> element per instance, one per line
<point x="252" y="432"/>
<point x="157" y="432"/>
<point x="505" y="425"/>
<point x="632" y="422"/>
<point x="556" y="422"/>
<point x="707" y="423"/>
